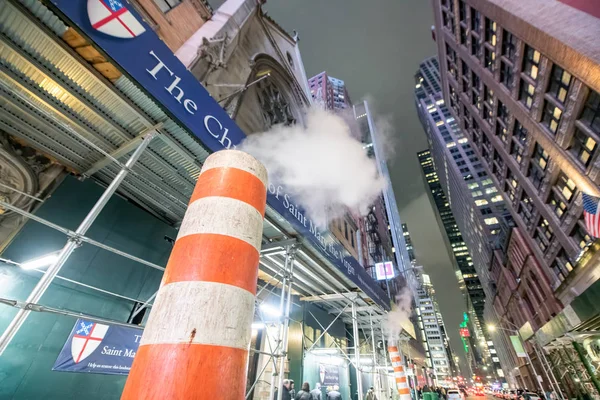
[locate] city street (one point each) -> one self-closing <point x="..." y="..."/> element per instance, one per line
<point x="197" y="204"/>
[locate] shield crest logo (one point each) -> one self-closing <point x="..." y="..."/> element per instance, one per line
<point x="111" y="17"/>
<point x="86" y="339"/>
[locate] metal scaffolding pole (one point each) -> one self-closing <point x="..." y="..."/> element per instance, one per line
<point x="289" y="260"/>
<point x="549" y="367"/>
<point x="41" y="287"/>
<point x="355" y="334"/>
<point x="279" y="332"/>
<point x="385" y="363"/>
<point x="376" y="381"/>
<point x="538" y="352"/>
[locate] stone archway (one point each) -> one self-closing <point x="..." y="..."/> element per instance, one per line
<point x="274" y="100"/>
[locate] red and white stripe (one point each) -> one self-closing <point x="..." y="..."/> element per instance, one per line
<point x="592" y="223"/>
<point x="195" y="345"/>
<point x="399" y="373"/>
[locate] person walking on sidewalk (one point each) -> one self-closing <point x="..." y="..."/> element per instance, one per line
<point x="371" y="394"/>
<point x="315" y="394"/>
<point x="285" y="391"/>
<point x="304" y="393"/>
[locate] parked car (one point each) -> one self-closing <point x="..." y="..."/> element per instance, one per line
<point x="511" y="395"/>
<point x="453" y="394"/>
<point x="530" y="396"/>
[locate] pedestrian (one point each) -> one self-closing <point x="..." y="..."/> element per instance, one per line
<point x="304" y="393"/>
<point x="334" y="393"/>
<point x="285" y="391"/>
<point x="419" y="390"/>
<point x="292" y="389"/>
<point x="371" y="394"/>
<point x="315" y="394"/>
<point x="426" y="389"/>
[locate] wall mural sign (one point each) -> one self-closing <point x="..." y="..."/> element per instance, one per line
<point x="99" y="349"/>
<point x="329" y="375"/>
<point x="116" y="27"/>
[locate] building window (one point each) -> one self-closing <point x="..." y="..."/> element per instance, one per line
<point x="449" y="21"/>
<point x="509" y="42"/>
<point x="531" y="62"/>
<point x="551" y="116"/>
<point x="463" y="35"/>
<point x="490" y="31"/>
<point x="583" y="147"/>
<point x="526" y="93"/>
<point x="167" y="5"/>
<point x="565" y="186"/>
<point x="557" y="205"/>
<point x="501" y="132"/>
<point x="517" y="151"/>
<point x="503" y="113"/>
<point x="540" y="156"/>
<point x="527" y="210"/>
<point x="520" y="133"/>
<point x="489" y="59"/>
<point x="475" y="21"/>
<point x="475" y="47"/>
<point x="462" y="11"/>
<point x="580" y="235"/>
<point x="562" y="265"/>
<point x="591" y="112"/>
<point x="506" y="74"/>
<point x="537" y="168"/>
<point x="560" y="80"/>
<point x="544" y="234"/>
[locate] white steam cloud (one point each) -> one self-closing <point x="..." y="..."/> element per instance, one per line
<point x="399" y="315"/>
<point x="321" y="165"/>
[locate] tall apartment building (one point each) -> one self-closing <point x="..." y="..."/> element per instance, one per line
<point x="523" y="82"/>
<point x="466" y="273"/>
<point x="465" y="270"/>
<point x="433" y="333"/>
<point x="329" y="92"/>
<point x="474" y="200"/>
<point x="408" y="241"/>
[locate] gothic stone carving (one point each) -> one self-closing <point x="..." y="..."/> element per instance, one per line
<point x="24" y="169"/>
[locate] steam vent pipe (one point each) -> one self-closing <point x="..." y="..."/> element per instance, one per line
<point x="399" y="373"/>
<point x="195" y="345"/>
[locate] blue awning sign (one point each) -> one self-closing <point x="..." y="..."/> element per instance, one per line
<point x="150" y="63"/>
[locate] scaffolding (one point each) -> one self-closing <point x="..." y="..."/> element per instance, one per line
<point x="90" y="134"/>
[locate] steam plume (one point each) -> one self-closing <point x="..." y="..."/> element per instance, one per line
<point x="322" y="166"/>
<point x="399" y="315"/>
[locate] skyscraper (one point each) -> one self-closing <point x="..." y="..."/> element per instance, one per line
<point x="329" y="91"/>
<point x="467" y="276"/>
<point x="408" y="241"/>
<point x="465" y="271"/>
<point x="522" y="84"/>
<point x="431" y="323"/>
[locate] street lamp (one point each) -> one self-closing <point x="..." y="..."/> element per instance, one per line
<point x="493" y="328"/>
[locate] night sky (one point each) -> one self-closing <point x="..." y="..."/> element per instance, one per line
<point x="376" y="46"/>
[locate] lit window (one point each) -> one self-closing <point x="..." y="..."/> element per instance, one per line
<point x="440" y="123"/>
<point x="566" y="186"/>
<point x="590" y="115"/>
<point x="551" y="116"/>
<point x="491" y="190"/>
<point x="497" y="198"/>
<point x="473" y="185"/>
<point x="481" y="202"/>
<point x="463" y="140"/>
<point x="583" y="147"/>
<point x="451" y="144"/>
<point x="560" y="81"/>
<point x="491" y="221"/>
<point x="531" y="62"/>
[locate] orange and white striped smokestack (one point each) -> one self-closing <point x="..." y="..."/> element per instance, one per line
<point x="195" y="345"/>
<point x="399" y="373"/>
